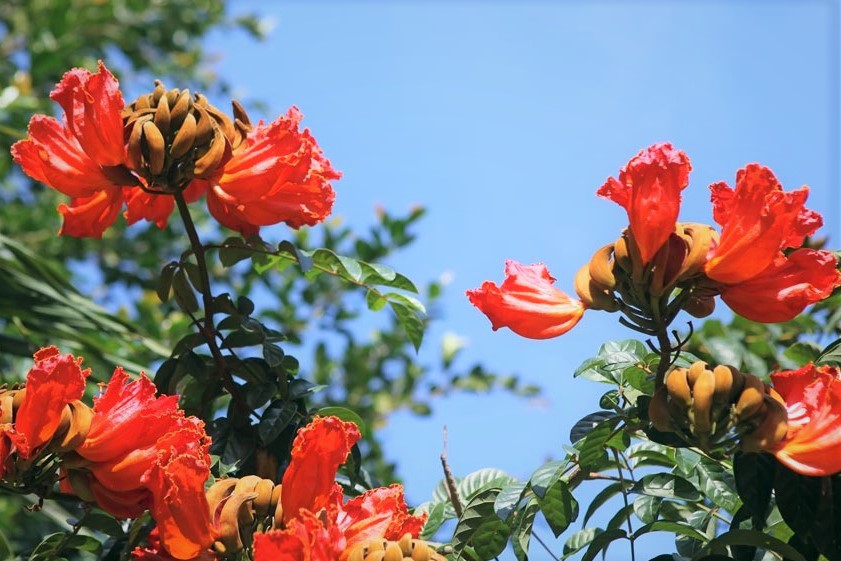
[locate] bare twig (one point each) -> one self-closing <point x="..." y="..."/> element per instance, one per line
<point x="452" y="489"/>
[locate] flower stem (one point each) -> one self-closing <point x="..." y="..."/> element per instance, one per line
<point x="207" y="328"/>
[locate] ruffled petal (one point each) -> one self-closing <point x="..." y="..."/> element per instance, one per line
<point x="54" y="381"/>
<point x="141" y="205"/>
<point x="649" y="189"/>
<point x="786" y="288"/>
<point x="758" y="220"/>
<point x="378" y="513"/>
<point x="527" y="303"/>
<point x="92" y="104"/>
<point x="318" y="451"/>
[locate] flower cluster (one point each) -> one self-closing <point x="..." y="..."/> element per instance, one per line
<point x="105" y="154"/>
<point x="755" y="263"/>
<point x="305" y="518"/>
<point x="131" y="452"/>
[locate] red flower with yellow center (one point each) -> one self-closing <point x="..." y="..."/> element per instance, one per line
<point x="527" y="302"/>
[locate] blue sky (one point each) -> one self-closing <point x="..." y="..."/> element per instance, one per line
<point x="503" y="118"/>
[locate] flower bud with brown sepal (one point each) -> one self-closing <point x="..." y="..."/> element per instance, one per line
<point x="173" y="137"/>
<point x="594" y="282"/>
<point x="239" y="508"/>
<point x="696" y="403"/>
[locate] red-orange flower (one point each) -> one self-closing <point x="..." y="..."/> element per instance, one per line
<point x="277" y="174"/>
<point x="649" y="189"/>
<point x="813" y="400"/>
<point x="83" y="156"/>
<point x="142" y="452"/>
<point x="54" y="381"/>
<point x="758" y="221"/>
<point x="527" y="302"/>
<point x="319" y="525"/>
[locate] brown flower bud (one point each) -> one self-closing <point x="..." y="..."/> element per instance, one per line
<point x="406" y="549"/>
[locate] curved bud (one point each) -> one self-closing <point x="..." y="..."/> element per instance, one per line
<point x="695" y="370"/>
<point x="155" y="146"/>
<point x="601" y="267"/>
<point x="593" y="296"/>
<point x="699" y="306"/>
<point x="724" y="378"/>
<point x="751" y="399"/>
<point x="208" y="163"/>
<point x="701" y="238"/>
<point x="181" y="108"/>
<point x="185" y="138"/>
<point x="679" y="392"/>
<point x="393" y="552"/>
<point x="162" y="117"/>
<point x="263" y="501"/>
<point x="80" y="417"/>
<point x="230" y="540"/>
<point x="702" y="400"/>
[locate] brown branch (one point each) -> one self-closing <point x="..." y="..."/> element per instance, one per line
<point x="452" y="489"/>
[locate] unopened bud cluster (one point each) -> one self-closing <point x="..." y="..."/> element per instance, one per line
<point x="616" y="275"/>
<point x="406" y="549"/>
<point x="241" y="507"/>
<point x="703" y="405"/>
<point x="174" y="136"/>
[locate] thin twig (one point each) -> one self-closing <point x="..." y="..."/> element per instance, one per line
<point x="625" y="500"/>
<point x="452" y="489"/>
<point x="546" y="547"/>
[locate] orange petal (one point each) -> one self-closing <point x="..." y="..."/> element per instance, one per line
<point x="318" y="451"/>
<point x="54" y="381"/>
<point x="527" y="303"/>
<point x="758" y="220"/>
<point x="92" y="104"/>
<point x="89" y="217"/>
<point x="813" y="400"/>
<point x="649" y="189"/>
<point x="53" y="156"/>
<point x="378" y="513"/>
<point x="141" y="205"/>
<point x="785" y="288"/>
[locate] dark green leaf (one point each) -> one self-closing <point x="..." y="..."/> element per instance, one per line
<point x="668" y="486"/>
<point x="345" y="415"/>
<point x="275" y="418"/>
<point x="559" y="507"/>
<point x="522" y="524"/>
<point x="164" y="285"/>
<point x="754" y="476"/>
<point x="508" y="498"/>
<point x="480" y="528"/>
<point x="410" y="321"/>
<point x="602" y="541"/>
<point x="184" y="294"/>
<point x="753" y="538"/>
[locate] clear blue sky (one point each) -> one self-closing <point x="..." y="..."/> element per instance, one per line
<point x="503" y="118"/>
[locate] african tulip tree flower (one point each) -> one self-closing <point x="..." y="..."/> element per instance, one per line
<point x="527" y="302"/>
<point x="169" y="142"/>
<point x="82" y="157"/>
<point x="319" y="525"/>
<point x="142" y="452"/>
<point x="813" y="400"/>
<point x="55" y="381"/>
<point x="277" y="173"/>
<point x="758" y="221"/>
<point x="649" y="189"/>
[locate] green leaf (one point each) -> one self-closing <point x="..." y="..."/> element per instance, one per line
<point x="184" y="294"/>
<point x="601" y="498"/>
<point x="602" y="541"/>
<point x="480" y="528"/>
<point x="647" y="508"/>
<point x="671" y="527"/>
<point x="481" y="480"/>
<point x="546" y="475"/>
<point x="588" y="423"/>
<point x="612" y="360"/>
<point x="410" y="321"/>
<point x="754" y="478"/>
<point x="234" y="250"/>
<point x="559" y="507"/>
<point x="523" y="522"/>
<point x="717" y="484"/>
<point x="273" y="354"/>
<point x="508" y="498"/>
<point x="102" y="522"/>
<point x="592" y="448"/>
<point x="802" y="353"/>
<point x="668" y="486"/>
<point x="753" y="538"/>
<point x="639" y="378"/>
<point x="434" y="520"/>
<point x="276" y="417"/>
<point x="579" y="540"/>
<point x="164" y="286"/>
<point x="831" y="354"/>
<point x="6" y="552"/>
<point x="375" y="300"/>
